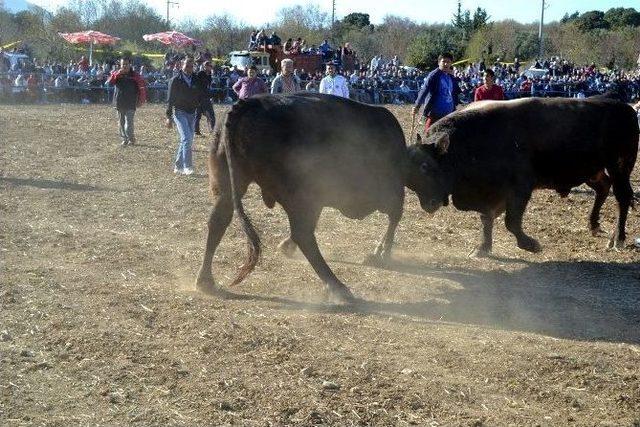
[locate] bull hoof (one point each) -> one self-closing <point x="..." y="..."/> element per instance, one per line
<point x="206" y="284"/>
<point x="340" y="295"/>
<point x="374" y="260"/>
<point x="615" y="244"/>
<point x="480" y="252"/>
<point x="530" y="245"/>
<point x="287" y="247"/>
<point x="597" y="232"/>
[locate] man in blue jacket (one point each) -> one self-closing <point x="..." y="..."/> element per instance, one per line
<point x="439" y="92"/>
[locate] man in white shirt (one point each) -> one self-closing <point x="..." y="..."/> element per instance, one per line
<point x="334" y="84"/>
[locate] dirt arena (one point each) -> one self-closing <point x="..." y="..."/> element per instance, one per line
<point x="100" y="322"/>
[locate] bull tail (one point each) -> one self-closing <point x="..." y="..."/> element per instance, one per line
<point x="253" y="241"/>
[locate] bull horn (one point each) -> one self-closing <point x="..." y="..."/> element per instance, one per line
<point x="443" y="143"/>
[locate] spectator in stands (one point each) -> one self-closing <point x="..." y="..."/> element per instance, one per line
<point x="183" y="100"/>
<point x="60" y="82"/>
<point x="274" y="40"/>
<point x="326" y="50"/>
<point x="32" y="88"/>
<point x="83" y="64"/>
<point x="131" y="92"/>
<point x="439" y="92"/>
<point x="489" y="90"/>
<point x="261" y="39"/>
<point x="250" y="85"/>
<point x="20" y="81"/>
<point x="288" y="45"/>
<point x="253" y="40"/>
<point x="286" y="81"/>
<point x="333" y="83"/>
<point x="296" y="48"/>
<point x="204" y="78"/>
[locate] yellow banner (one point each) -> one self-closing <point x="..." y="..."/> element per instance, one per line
<point x="462" y="61"/>
<point x="6" y="46"/>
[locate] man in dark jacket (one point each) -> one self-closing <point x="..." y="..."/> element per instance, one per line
<point x="130" y="93"/>
<point x="183" y="100"/>
<point x="439" y="92"/>
<point x="205" y="108"/>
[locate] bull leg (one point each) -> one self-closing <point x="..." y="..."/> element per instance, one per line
<point x="287" y="247"/>
<point x="382" y="253"/>
<point x="601" y="184"/>
<point x="219" y="220"/>
<point x="303" y="225"/>
<point x="624" y="196"/>
<point x="486" y="246"/>
<point x="516" y="205"/>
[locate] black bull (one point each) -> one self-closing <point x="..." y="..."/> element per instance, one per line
<point x="491" y="157"/>
<point x="306" y="151"/>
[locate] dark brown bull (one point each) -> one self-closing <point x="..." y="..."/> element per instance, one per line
<point x="600" y="182"/>
<point x="306" y="152"/>
<point x="490" y="158"/>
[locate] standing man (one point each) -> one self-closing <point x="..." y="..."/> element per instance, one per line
<point x="489" y="90"/>
<point x="439" y="92"/>
<point x="130" y="93"/>
<point x="334" y="84"/>
<point x="286" y="81"/>
<point x="183" y="100"/>
<point x="205" y="108"/>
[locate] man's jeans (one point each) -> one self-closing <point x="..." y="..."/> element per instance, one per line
<point x="185" y="123"/>
<point x="126" y="125"/>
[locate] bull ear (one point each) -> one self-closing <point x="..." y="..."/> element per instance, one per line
<point x="443" y="143"/>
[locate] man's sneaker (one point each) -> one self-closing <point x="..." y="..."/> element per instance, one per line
<point x="124" y="143"/>
<point x="187" y="171"/>
<point x="132" y="141"/>
<point x="177" y="170"/>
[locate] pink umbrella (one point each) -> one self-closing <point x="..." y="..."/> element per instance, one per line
<point x="91" y="37"/>
<point x="173" y="38"/>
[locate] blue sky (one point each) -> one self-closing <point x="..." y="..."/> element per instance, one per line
<point x="261" y="11"/>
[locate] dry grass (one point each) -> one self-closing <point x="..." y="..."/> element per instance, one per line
<point x="101" y="323"/>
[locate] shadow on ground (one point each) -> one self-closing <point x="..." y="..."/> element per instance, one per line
<point x="50" y="184"/>
<point x="573" y="300"/>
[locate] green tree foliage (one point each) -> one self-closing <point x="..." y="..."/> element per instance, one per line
<point x="591" y="20"/>
<point x="505" y="40"/>
<point x="619" y="17"/>
<point x="356" y="20"/>
<point x="467" y="24"/>
<point x="424" y="50"/>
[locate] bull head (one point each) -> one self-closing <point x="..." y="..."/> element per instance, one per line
<point x="440" y="141"/>
<point x="426" y="176"/>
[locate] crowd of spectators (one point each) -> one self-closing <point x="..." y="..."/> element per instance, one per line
<point x="382" y="80"/>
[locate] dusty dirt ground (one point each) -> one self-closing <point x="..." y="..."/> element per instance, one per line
<point x="101" y="323"/>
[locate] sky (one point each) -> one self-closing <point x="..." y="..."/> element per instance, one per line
<point x="257" y="12"/>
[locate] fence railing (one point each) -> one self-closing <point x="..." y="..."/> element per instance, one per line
<point x="44" y="92"/>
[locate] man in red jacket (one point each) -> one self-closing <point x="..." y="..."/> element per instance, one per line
<point x="131" y="92"/>
<point x="489" y="90"/>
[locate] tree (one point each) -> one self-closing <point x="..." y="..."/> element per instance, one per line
<point x="424" y="50"/>
<point x="225" y="34"/>
<point x="569" y="18"/>
<point x="591" y="20"/>
<point x="356" y="20"/>
<point x="309" y="22"/>
<point x="619" y="17"/>
<point x="395" y="34"/>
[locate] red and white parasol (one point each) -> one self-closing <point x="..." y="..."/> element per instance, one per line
<point x="173" y="38"/>
<point x="91" y="37"/>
